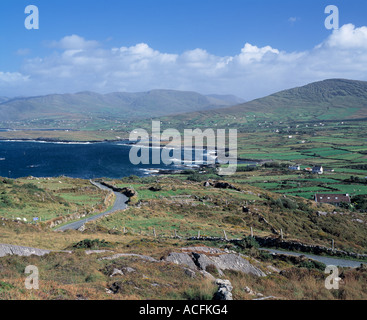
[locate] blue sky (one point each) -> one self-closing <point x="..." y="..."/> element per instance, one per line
<point x="177" y="44"/>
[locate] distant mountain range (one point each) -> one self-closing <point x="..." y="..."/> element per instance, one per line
<point x="334" y="99"/>
<point x="118" y="105"/>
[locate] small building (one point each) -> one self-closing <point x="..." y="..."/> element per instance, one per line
<point x="295" y="168"/>
<point x="334" y="199"/>
<point x="318" y="170"/>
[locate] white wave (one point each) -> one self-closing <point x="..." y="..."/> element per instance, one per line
<point x="49" y="142"/>
<point x="34" y="166"/>
<point x="149" y="171"/>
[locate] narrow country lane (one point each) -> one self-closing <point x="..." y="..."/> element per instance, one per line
<point x="120" y="204"/>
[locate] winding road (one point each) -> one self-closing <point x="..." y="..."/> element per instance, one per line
<point x="339" y="262"/>
<point x="120" y="204"/>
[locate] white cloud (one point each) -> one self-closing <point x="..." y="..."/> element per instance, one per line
<point x="293" y="20"/>
<point x="348" y="37"/>
<point x="74" y="42"/>
<point x="254" y="72"/>
<point x="250" y="53"/>
<point x="12" y="77"/>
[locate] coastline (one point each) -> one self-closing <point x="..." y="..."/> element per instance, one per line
<point x="46" y="140"/>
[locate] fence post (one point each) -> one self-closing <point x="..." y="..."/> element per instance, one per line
<point x="225" y="235"/>
<point x="252" y="233"/>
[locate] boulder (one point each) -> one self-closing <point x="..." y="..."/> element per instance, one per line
<point x="82" y="228"/>
<point x="116" y="272"/>
<point x="224" y="290"/>
<point x="203" y="262"/>
<point x="190" y="273"/>
<point x="204" y="258"/>
<point x="227" y="261"/>
<point x="181" y="259"/>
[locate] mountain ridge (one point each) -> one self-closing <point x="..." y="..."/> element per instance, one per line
<point x="122" y="105"/>
<point x="330" y="99"/>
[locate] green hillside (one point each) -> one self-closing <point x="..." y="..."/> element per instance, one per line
<point x="120" y="105"/>
<point x="335" y="99"/>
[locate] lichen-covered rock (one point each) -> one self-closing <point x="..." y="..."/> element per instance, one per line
<point x="224" y="290"/>
<point x="202" y="258"/>
<point x="236" y="263"/>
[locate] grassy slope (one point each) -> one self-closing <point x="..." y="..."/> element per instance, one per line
<point x="334" y="99"/>
<point x="208" y="210"/>
<point x="47" y="198"/>
<point x="65" y="276"/>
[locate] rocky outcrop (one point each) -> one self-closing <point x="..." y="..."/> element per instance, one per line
<point x="8" y="249"/>
<point x="182" y="259"/>
<point x="208" y="250"/>
<point x="128" y="192"/>
<point x="120" y="272"/>
<point x="88" y="252"/>
<point x="224" y="290"/>
<point x="204" y="262"/>
<point x="236" y="262"/>
<point x="204" y="259"/>
<point x="133" y="255"/>
<point x="220" y="185"/>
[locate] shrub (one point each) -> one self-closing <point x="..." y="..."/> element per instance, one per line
<point x="248" y="243"/>
<point x="284" y="203"/>
<point x="311" y="264"/>
<point x="91" y="244"/>
<point x="4" y="286"/>
<point x="200" y="293"/>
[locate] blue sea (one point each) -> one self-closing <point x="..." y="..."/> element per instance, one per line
<point x="76" y="160"/>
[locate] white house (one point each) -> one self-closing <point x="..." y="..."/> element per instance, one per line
<point x="318" y="170"/>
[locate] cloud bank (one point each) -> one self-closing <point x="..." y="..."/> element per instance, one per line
<point x="79" y="64"/>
